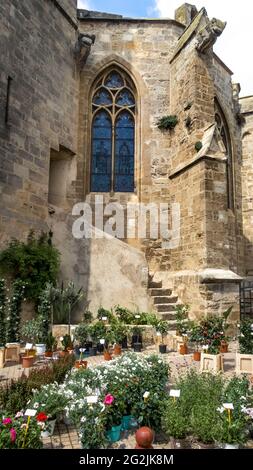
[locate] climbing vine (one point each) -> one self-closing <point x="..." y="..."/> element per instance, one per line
<point x="2" y="312"/>
<point x="14" y="306"/>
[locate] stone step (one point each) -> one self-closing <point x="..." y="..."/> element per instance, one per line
<point x="165" y="300"/>
<point x="171" y="323"/>
<point x="167" y="316"/>
<point x="165" y="307"/>
<point x="160" y="291"/>
<point x="155" y="284"/>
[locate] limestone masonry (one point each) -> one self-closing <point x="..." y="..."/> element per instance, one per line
<point x="53" y="58"/>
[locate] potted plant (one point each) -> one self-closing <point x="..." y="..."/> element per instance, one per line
<point x="181" y="316"/>
<point x="97" y="332"/>
<point x="114" y="410"/>
<point x="136" y="338"/>
<point x="81" y="335"/>
<point x="67" y="345"/>
<point x="108" y="341"/>
<point x="80" y="362"/>
<point x="119" y="332"/>
<point x="162" y="327"/>
<point x="196" y="338"/>
<point x="32" y="331"/>
<point x="244" y="359"/>
<point x="51" y="402"/>
<point x="51" y="345"/>
<point x="104" y="315"/>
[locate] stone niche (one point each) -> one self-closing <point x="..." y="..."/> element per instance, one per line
<point x="62" y="171"/>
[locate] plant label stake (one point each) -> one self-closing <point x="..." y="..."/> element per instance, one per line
<point x="28" y="413"/>
<point x="175" y="394"/>
<point x="229" y="407"/>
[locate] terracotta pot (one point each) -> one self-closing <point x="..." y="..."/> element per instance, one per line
<point x="144" y="438"/>
<point x="63" y="353"/>
<point x="81" y="364"/>
<point x="117" y="350"/>
<point x="223" y="347"/>
<point x="197" y="356"/>
<point x="183" y="349"/>
<point x="27" y="361"/>
<point x="48" y="353"/>
<point x="107" y="356"/>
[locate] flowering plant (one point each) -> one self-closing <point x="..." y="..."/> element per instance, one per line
<point x="246" y="336"/>
<point x="16" y="433"/>
<point x="49" y="401"/>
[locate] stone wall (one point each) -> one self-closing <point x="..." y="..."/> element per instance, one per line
<point x="36" y="49"/>
<point x="247" y="181"/>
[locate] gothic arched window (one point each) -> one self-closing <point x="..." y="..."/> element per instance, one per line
<point x="113" y="133"/>
<point x="225" y="135"/>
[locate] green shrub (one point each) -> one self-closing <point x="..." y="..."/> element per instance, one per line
<point x="34" y="262"/>
<point x="2" y="313"/>
<point x="14" y="312"/>
<point x="246" y="336"/>
<point x="167" y="122"/>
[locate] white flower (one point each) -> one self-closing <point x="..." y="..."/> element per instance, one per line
<point x="243" y="398"/>
<point x="221" y="409"/>
<point x="242" y="335"/>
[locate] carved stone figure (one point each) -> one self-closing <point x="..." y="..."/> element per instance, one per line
<point x="83" y="46"/>
<point x="207" y="36"/>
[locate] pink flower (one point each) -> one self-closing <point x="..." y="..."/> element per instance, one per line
<point x="109" y="399"/>
<point x="19" y="414"/>
<point x="13" y="434"/>
<point x="7" y="421"/>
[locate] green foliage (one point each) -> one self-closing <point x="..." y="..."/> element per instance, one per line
<point x="102" y="312"/>
<point x="66" y="342"/>
<point x="213" y="332"/>
<point x="167" y="122"/>
<point x="14" y="312"/>
<point x="45" y="312"/>
<point x="81" y="334"/>
<point x="198" y="412"/>
<point x="92" y="429"/>
<point x="118" y="331"/>
<point x="2" y="313"/>
<point x="182" y="322"/>
<point x="64" y="301"/>
<point x="32" y="330"/>
<point x="16" y="435"/>
<point x="34" y="263"/>
<point x="198" y="146"/>
<point x="97" y="331"/>
<point x="14" y="396"/>
<point x="51" y="342"/>
<point x="246" y="336"/>
<point x="162" y="327"/>
<point x="124" y="314"/>
<point x="87" y="316"/>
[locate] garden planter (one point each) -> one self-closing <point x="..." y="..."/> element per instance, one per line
<point x="162" y="348"/>
<point x="183" y="349"/>
<point x="40" y="349"/>
<point x="107" y="356"/>
<point x="126" y="422"/>
<point x="144" y="438"/>
<point x="137" y="347"/>
<point x="113" y="435"/>
<point x="244" y="363"/>
<point x="48" y="353"/>
<point x="27" y="361"/>
<point x="124" y="343"/>
<point x="223" y="347"/>
<point x="211" y="362"/>
<point x="50" y="431"/>
<point x="2" y="350"/>
<point x="100" y="348"/>
<point x="81" y="364"/>
<point x="93" y="351"/>
<point x="197" y="356"/>
<point x="136" y="339"/>
<point x="117" y="350"/>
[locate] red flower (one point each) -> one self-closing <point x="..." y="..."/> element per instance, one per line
<point x="41" y="417"/>
<point x="7" y="421"/>
<point x="13" y="434"/>
<point x="109" y="399"/>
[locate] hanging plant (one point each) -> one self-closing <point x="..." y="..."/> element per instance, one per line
<point x="198" y="146"/>
<point x="14" y="312"/>
<point x="167" y="122"/>
<point x="2" y="312"/>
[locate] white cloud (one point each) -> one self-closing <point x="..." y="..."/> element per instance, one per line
<point x="234" y="46"/>
<point x="85" y="4"/>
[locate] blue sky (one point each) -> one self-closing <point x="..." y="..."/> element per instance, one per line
<point x="233" y="47"/>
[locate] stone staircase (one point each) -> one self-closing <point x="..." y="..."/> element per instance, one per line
<point x="164" y="301"/>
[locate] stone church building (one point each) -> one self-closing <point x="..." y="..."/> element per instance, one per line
<point x="81" y="93"/>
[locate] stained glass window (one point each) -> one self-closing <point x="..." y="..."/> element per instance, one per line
<point x="101" y="152"/>
<point x="113" y="134"/>
<point x="125" y="98"/>
<point x="225" y="135"/>
<point x="102" y="97"/>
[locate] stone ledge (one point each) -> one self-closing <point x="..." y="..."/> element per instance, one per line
<point x="209" y="275"/>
